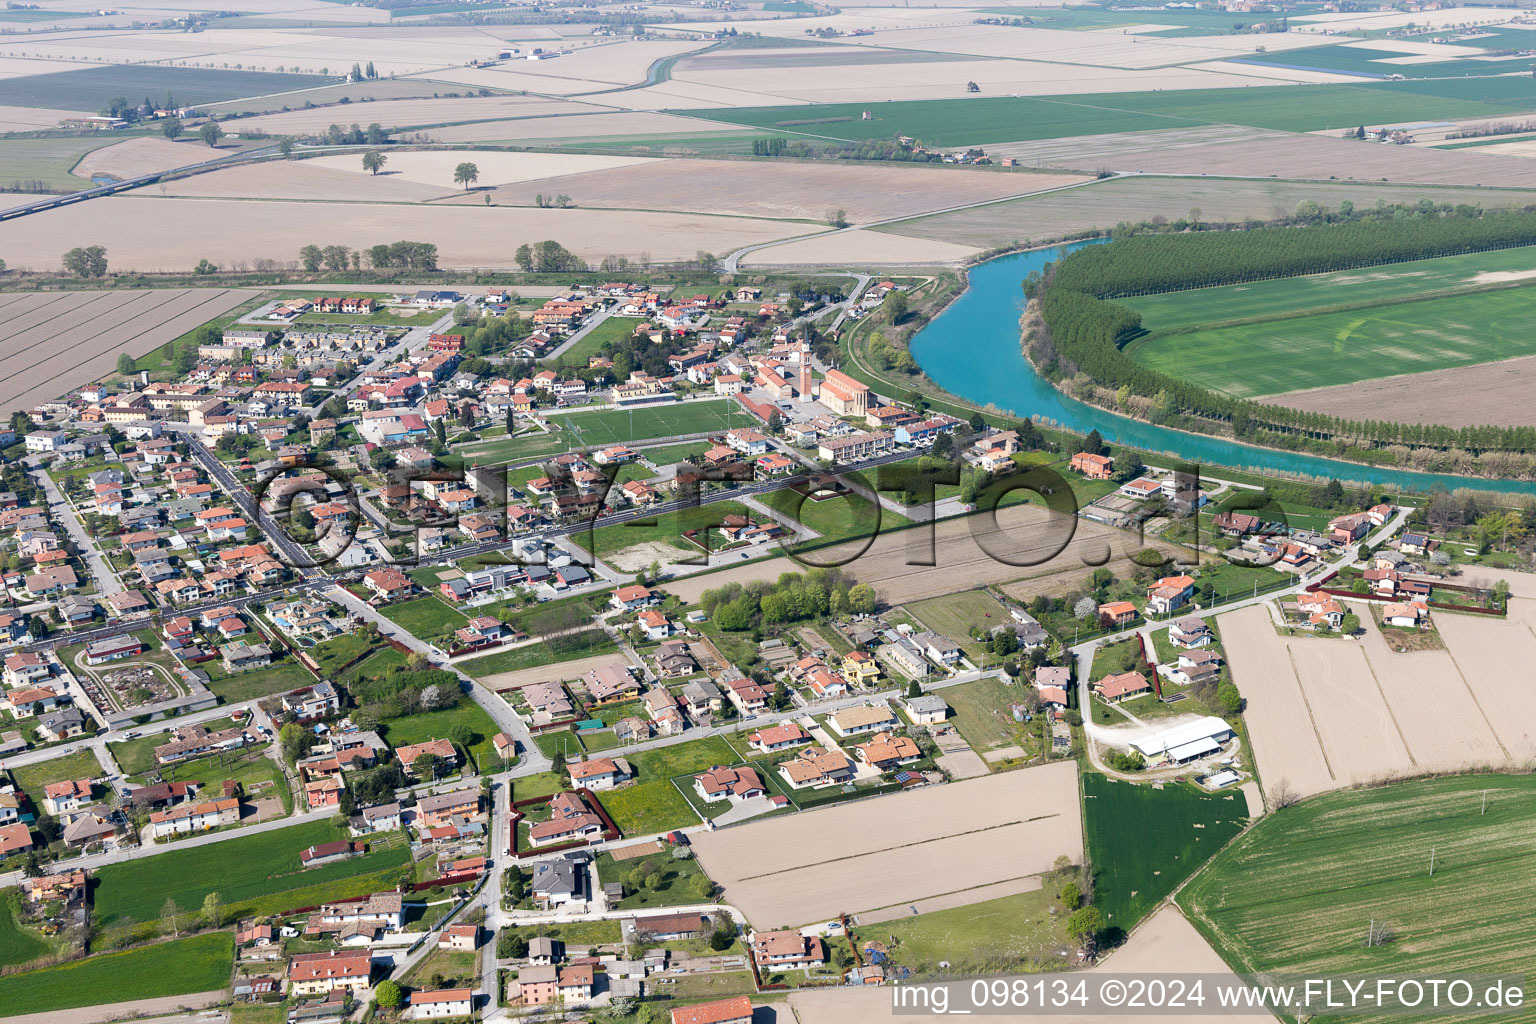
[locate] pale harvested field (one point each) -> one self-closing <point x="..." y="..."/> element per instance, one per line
<point x="356" y="92"/>
<point x="775" y="189"/>
<point x="1351" y="713"/>
<point x="396" y="114"/>
<point x="544" y="673"/>
<point x="1495" y="659"/>
<point x="680" y="95"/>
<point x="30" y="119"/>
<point x="909" y="846"/>
<point x="1281" y="732"/>
<point x="1371" y="21"/>
<point x="621" y="124"/>
<point x="307" y="180"/>
<point x="1105" y="203"/>
<point x="1164" y="944"/>
<point x="16" y="67"/>
<point x="1328" y="713"/>
<point x="436" y="167"/>
<point x="1524" y="148"/>
<point x="53" y="342"/>
<point x="592" y="68"/>
<point x="859" y="246"/>
<point x="1463" y="396"/>
<point x="142" y="156"/>
<point x="133" y="229"/>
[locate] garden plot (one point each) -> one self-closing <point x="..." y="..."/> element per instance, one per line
<point x="51" y="342"/>
<point x="893" y="850"/>
<point x="132" y="228"/>
<point x="806" y="191"/>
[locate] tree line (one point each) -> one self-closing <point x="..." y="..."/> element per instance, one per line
<point x="404" y="255"/>
<point x="1075" y="330"/>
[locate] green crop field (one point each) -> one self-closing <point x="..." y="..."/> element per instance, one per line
<point x="615" y="328"/>
<point x="1366" y="61"/>
<point x="424" y="617"/>
<point x="18" y="945"/>
<point x="200" y="963"/>
<point x="980" y="120"/>
<point x="1322" y="293"/>
<point x="94" y="88"/>
<point x="50" y="161"/>
<point x="136" y="890"/>
<point x="1305" y="351"/>
<point x="1143" y="841"/>
<point x="1300" y="890"/>
<point x="616" y="426"/>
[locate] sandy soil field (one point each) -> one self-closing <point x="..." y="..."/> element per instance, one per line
<point x="435" y="167"/>
<point x="949" y="901"/>
<point x="801" y="190"/>
<point x="53" y="342"/>
<point x="1495" y="659"/>
<point x="1026" y="533"/>
<point x="1164" y="944"/>
<point x="1463" y="396"/>
<point x="394" y="114"/>
<point x="15" y="67"/>
<point x="1106" y="203"/>
<point x="142" y="156"/>
<point x="133" y="229"/>
<point x="895" y="849"/>
<point x="1328" y="713"/>
<point x="680" y="95"/>
<point x="579" y="126"/>
<point x="859" y="246"/>
<point x="30" y="119"/>
<point x="356" y="92"/>
<point x="301" y="180"/>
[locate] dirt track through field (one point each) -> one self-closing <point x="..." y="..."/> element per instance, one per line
<point x="935" y="842"/>
<point x="53" y="342"/>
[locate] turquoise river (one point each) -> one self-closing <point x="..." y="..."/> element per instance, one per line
<point x="972" y="350"/>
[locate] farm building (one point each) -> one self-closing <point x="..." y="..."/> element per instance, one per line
<point x="1186" y="742"/>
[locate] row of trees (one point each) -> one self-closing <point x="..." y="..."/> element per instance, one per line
<point x="1077" y="329"/>
<point x="793" y="597"/>
<point x="404" y="255"/>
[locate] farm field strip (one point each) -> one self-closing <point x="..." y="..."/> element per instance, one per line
<point x="1495" y="659"/>
<point x="1331" y="864"/>
<point x="876" y="853"/>
<point x="61" y="341"/>
<point x="1273" y="356"/>
<point x="1463" y="396"/>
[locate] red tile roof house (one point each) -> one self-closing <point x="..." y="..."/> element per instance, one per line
<point x="786" y="949"/>
<point x="388" y="583"/>
<point x="733" y="784"/>
<point x="320" y="973"/>
<point x="326" y="853"/>
<point x="1170" y="594"/>
<point x="736" y="1010"/>
<point x="778" y="737"/>
<point x="1121" y="687"/>
<point x="444" y="749"/>
<point x="446" y="1002"/>
<point x="459" y="936"/>
<point x="629" y="598"/>
<point x="599" y="773"/>
<point x="1117" y="613"/>
<point x="570" y="819"/>
<point x="1094" y="467"/>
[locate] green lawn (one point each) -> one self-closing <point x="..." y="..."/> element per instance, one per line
<point x="136" y="890"/>
<point x="676" y="879"/>
<point x="424" y="617"/>
<point x="250" y="767"/>
<point x="579" y="934"/>
<point x="667" y="455"/>
<point x="683" y="758"/>
<point x="200" y="963"/>
<point x="954" y="615"/>
<point x="338" y="651"/>
<point x="375" y="667"/>
<point x="979" y="711"/>
<point x="848" y="517"/>
<point x="667" y="528"/>
<point x="18" y="945"/>
<point x="1298" y="891"/>
<point x="286" y="674"/>
<point x="614" y="329"/>
<point x="1142" y="842"/>
<point x="1316" y="349"/>
<point x="1002" y="936"/>
<point x="648" y="807"/>
<point x="514" y="449"/>
<point x="526" y="787"/>
<point x="583" y="644"/>
<point x="427" y="725"/>
<point x="615" y="426"/>
<point x="31" y="778"/>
